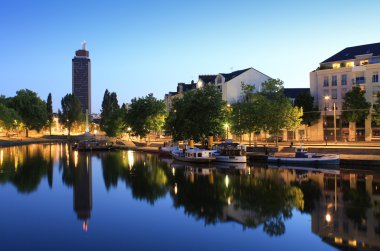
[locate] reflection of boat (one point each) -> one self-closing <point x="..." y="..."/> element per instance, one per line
<point x="330" y="169"/>
<point x="193" y="155"/>
<point x="304" y="158"/>
<point x="230" y="152"/>
<point x="92" y="145"/>
<point x="226" y="165"/>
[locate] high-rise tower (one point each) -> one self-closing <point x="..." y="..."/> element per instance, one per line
<point x="81" y="87"/>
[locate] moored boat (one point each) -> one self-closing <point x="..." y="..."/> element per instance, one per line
<point x="93" y="145"/>
<point x="230" y="153"/>
<point x="304" y="158"/>
<point x="193" y="155"/>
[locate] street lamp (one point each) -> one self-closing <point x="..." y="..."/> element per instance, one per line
<point x="327" y="98"/>
<point x="334" y="123"/>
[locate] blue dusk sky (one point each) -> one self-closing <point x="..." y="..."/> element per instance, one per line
<point x="141" y="47"/>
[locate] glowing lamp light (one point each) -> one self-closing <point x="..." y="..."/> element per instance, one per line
<point x="227" y="181"/>
<point x="175" y="189"/>
<point x="95" y="131"/>
<point x="328" y="218"/>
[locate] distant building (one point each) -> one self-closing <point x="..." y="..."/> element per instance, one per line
<point x="230" y="83"/>
<point x="81" y="71"/>
<point x="181" y="88"/>
<point x="353" y="66"/>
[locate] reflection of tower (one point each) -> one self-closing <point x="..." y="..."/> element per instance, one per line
<point x="83" y="189"/>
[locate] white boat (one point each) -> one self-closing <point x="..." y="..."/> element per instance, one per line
<point x="230" y="153"/>
<point x="304" y="158"/>
<point x="193" y="155"/>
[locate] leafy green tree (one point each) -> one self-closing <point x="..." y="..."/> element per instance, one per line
<point x="200" y="113"/>
<point x="71" y="111"/>
<point x="238" y="112"/>
<point x="355" y="106"/>
<point x="293" y="118"/>
<point x="311" y="113"/>
<point x="31" y="108"/>
<point x="143" y="115"/>
<point x="376" y="107"/>
<point x="9" y="118"/>
<point x="49" y="110"/>
<point x="112" y="116"/>
<point x="273" y="107"/>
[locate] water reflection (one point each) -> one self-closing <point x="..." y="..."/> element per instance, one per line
<point x="343" y="204"/>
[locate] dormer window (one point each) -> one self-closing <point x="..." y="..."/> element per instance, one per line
<point x="363" y="62"/>
<point x="336" y="65"/>
<point x="349" y="64"/>
<point x="219" y="80"/>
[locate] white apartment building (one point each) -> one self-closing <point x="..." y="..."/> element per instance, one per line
<point x="353" y="66"/>
<point x="230" y="83"/>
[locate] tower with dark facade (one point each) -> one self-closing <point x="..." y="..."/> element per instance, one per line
<point x="81" y="87"/>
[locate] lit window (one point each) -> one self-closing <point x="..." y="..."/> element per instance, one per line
<point x="334" y="80"/>
<point x="363" y="62"/>
<point x="326" y="81"/>
<point x="349" y="64"/>
<point x="336" y="65"/>
<point x="344" y="79"/>
<point x="375" y="77"/>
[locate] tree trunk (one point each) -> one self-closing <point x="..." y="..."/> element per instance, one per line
<point x="50" y="129"/>
<point x="68" y="130"/>
<point x="250" y="140"/>
<point x="26" y="132"/>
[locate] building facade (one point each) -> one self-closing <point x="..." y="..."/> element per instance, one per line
<point x="81" y="78"/>
<point x="230" y="83"/>
<point x="181" y="88"/>
<point x="353" y="66"/>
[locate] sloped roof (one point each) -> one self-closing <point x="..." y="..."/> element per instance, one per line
<point x="207" y="78"/>
<point x="350" y="52"/>
<point x="234" y="74"/>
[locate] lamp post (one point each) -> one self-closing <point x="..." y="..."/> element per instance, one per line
<point x="226" y="126"/>
<point x="325" y="122"/>
<point x="335" y="123"/>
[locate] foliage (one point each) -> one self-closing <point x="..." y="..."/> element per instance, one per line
<point x="31" y="109"/>
<point x="310" y="112"/>
<point x="376" y="116"/>
<point x="49" y="110"/>
<point x="71" y="111"/>
<point x="293" y="118"/>
<point x="112" y="116"/>
<point x="9" y="118"/>
<point x="145" y="114"/>
<point x="200" y="113"/>
<point x="273" y="107"/>
<point x="355" y="106"/>
<point x="248" y="92"/>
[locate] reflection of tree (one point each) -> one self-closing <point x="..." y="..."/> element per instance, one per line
<point x="201" y="199"/>
<point x="311" y="194"/>
<point x="27" y="174"/>
<point x="147" y="181"/>
<point x="356" y="203"/>
<point x="270" y="199"/>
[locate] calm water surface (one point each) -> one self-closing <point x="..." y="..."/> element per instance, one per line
<point x="53" y="198"/>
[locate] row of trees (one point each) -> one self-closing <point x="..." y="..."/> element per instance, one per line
<point x="25" y="111"/>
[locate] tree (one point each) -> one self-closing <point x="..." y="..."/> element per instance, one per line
<point x="236" y="118"/>
<point x="31" y="109"/>
<point x="355" y="106"/>
<point x="273" y="107"/>
<point x="49" y="110"/>
<point x="112" y="116"/>
<point x="9" y="118"/>
<point x="200" y="113"/>
<point x="142" y="114"/>
<point x="71" y="111"/>
<point x="310" y="112"/>
<point x="293" y="118"/>
<point x="376" y="106"/>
